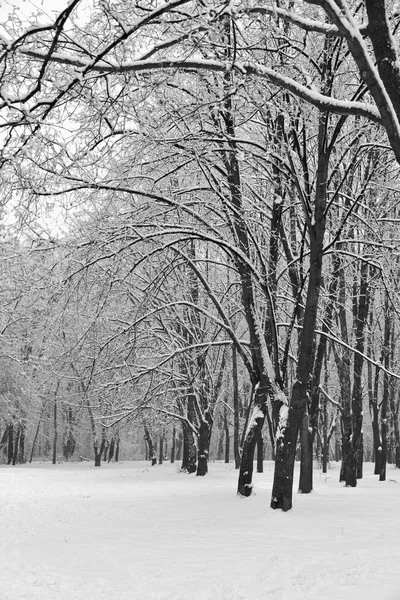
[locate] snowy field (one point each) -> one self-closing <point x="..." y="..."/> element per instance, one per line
<point x="131" y="531"/>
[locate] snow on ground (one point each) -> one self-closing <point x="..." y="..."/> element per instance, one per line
<point x="131" y="531"/>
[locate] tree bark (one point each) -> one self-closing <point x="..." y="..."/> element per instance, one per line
<point x="149" y="440"/>
<point x="236" y="423"/>
<point x="189" y="458"/>
<point x="290" y="423"/>
<point x="173" y="444"/>
<point x="260" y="453"/>
<point x="204" y="445"/>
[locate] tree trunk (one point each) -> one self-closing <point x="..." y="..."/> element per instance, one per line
<point x="117" y="449"/>
<point x="204" y="445"/>
<point x="111" y="449"/>
<point x="16" y="444"/>
<point x="386" y="383"/>
<point x="325" y="448"/>
<point x="37" y="431"/>
<point x="306" y="465"/>
<point x="97" y="454"/>
<point x="161" y="449"/>
<point x="189" y="450"/>
<point x="227" y="438"/>
<point x="55" y="436"/>
<point x="254" y="428"/>
<point x="10" y="445"/>
<point x="152" y="452"/>
<point x="173" y="444"/>
<point x="260" y="453"/>
<point x="236" y="432"/>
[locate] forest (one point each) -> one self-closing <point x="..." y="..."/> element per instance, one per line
<point x="199" y="235"/>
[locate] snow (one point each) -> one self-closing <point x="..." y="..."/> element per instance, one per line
<point x="130" y="531"/>
<point x="283" y="417"/>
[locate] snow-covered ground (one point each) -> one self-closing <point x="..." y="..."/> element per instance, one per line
<point x="131" y="531"/>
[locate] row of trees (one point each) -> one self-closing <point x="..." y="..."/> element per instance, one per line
<point x="222" y="209"/>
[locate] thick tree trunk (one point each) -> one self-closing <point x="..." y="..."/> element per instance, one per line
<point x="306" y="465"/>
<point x="189" y="458"/>
<point x="111" y="449"/>
<point x="204" y="445"/>
<point x="254" y="428"/>
<point x="97" y="454"/>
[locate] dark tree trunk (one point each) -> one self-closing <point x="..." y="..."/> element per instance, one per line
<point x="16" y="444"/>
<point x="179" y="444"/>
<point x="173" y="444"/>
<point x="97" y="454"/>
<point x="260" y="453"/>
<point x="354" y="463"/>
<point x="306" y="465"/>
<point x="161" y="449"/>
<point x="111" y="449"/>
<point x="55" y="436"/>
<point x="271" y="434"/>
<point x="227" y="438"/>
<point x="386" y="383"/>
<point x="325" y="447"/>
<point x="149" y="440"/>
<point x="21" y="454"/>
<point x="117" y="446"/>
<point x="204" y="444"/>
<point x="37" y="431"/>
<point x="10" y="445"/>
<point x="292" y="419"/>
<point x="344" y="373"/>
<point x="189" y="458"/>
<point x="236" y="433"/>
<point x="254" y="428"/>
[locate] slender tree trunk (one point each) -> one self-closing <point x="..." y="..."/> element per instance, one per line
<point x="227" y="438"/>
<point x="117" y="448"/>
<point x="271" y="434"/>
<point x="161" y="449"/>
<point x="55" y="436"/>
<point x="260" y="453"/>
<point x="16" y="444"/>
<point x="10" y="446"/>
<point x="152" y="451"/>
<point x="353" y="466"/>
<point x="37" y="431"/>
<point x="325" y="449"/>
<point x="173" y="444"/>
<point x="292" y="419"/>
<point x="204" y="444"/>
<point x="387" y="346"/>
<point x="236" y="432"/>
